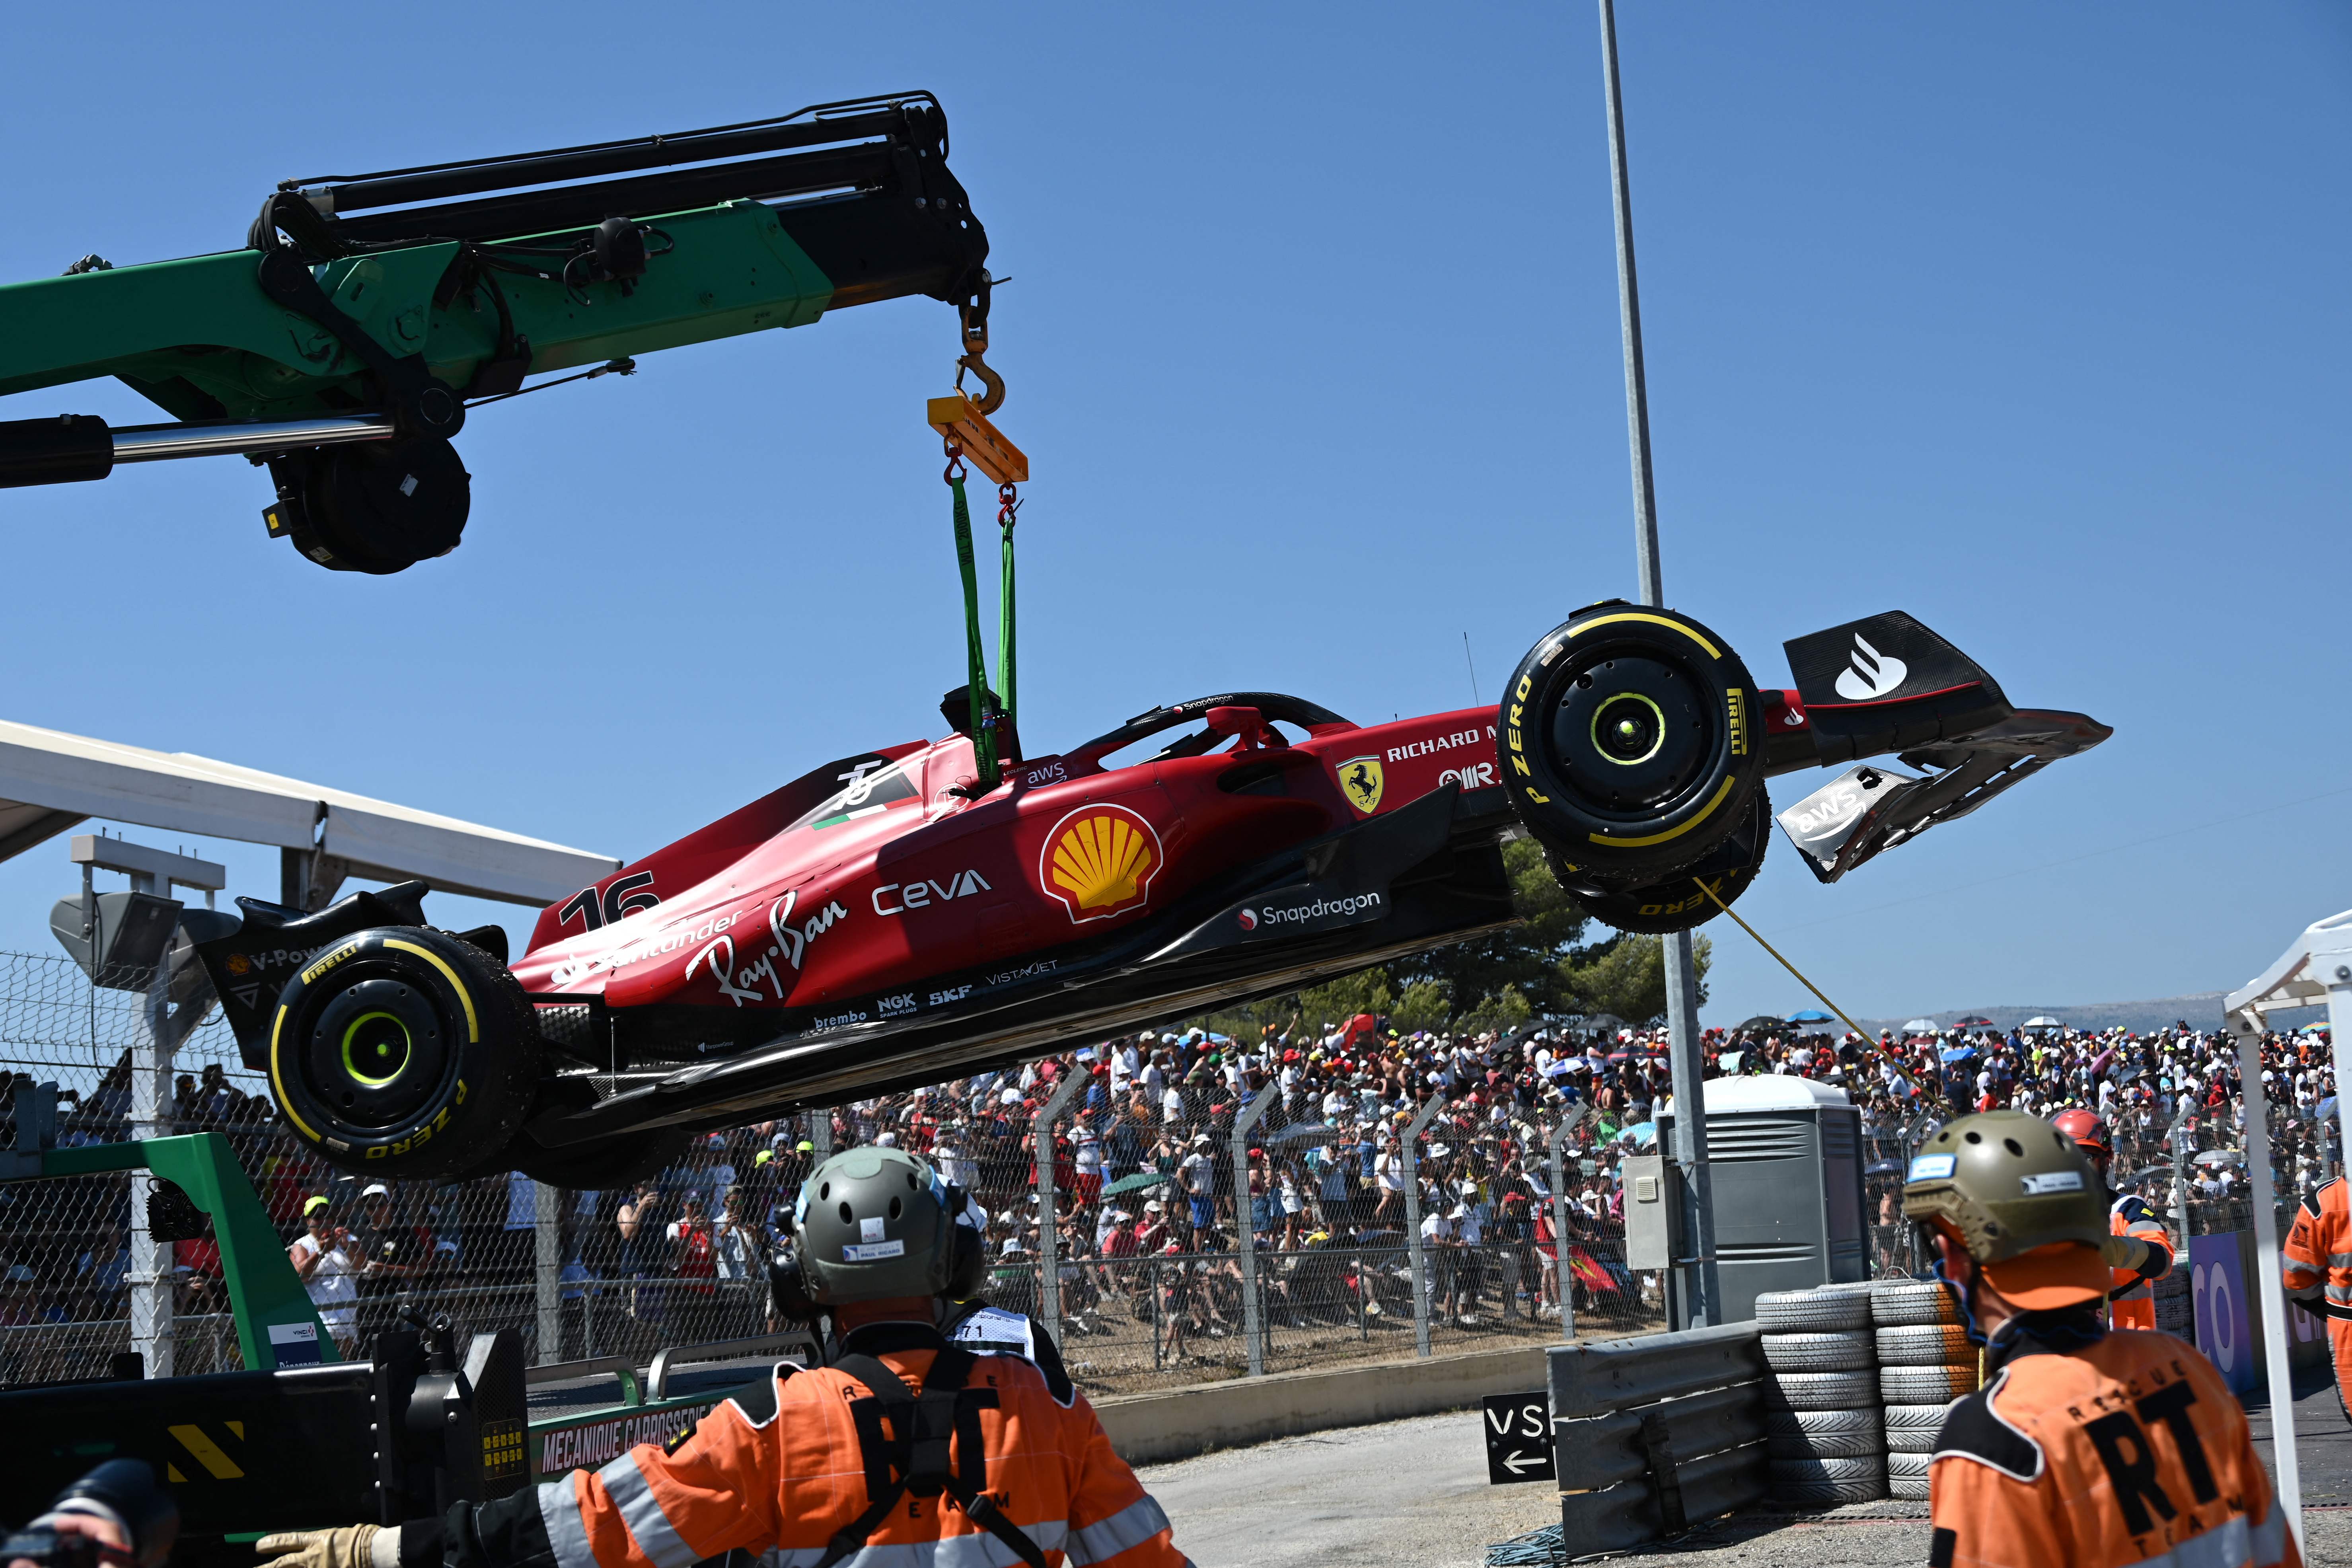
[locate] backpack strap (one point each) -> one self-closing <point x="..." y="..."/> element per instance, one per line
<point x="933" y="1445"/>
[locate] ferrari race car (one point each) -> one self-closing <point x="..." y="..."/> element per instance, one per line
<point x="884" y="921"/>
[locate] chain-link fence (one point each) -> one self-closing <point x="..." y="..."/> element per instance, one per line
<point x="1141" y="1177"/>
<point x="1356" y="1164"/>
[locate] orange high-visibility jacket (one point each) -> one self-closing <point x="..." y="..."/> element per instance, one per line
<point x="2128" y="1450"/>
<point x="2132" y="1301"/>
<point x="779" y="1465"/>
<point x="2317" y="1259"/>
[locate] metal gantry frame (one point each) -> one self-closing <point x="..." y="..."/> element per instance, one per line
<point x="2317" y="967"/>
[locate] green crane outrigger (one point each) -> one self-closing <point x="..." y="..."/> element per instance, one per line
<point x="343" y="346"/>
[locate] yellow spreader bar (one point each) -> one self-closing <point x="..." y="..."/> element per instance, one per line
<point x="984" y="446"/>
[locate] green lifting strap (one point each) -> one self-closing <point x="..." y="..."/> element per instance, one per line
<point x="1004" y="639"/>
<point x="983" y="720"/>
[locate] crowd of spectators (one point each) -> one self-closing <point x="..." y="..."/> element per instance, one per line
<point x="1151" y="1205"/>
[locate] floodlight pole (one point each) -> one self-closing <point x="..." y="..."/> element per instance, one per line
<point x="1682" y="971"/>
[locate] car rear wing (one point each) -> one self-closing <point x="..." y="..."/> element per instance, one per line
<point x="1870" y="809"/>
<point x="1887" y="684"/>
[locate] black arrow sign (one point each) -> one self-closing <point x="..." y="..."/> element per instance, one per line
<point x="1518" y="1438"/>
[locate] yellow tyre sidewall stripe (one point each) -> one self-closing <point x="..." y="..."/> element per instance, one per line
<point x="1668" y="622"/>
<point x="277" y="1031"/>
<point x="473" y="1025"/>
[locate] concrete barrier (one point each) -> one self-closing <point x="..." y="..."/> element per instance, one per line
<point x="1149" y="1429"/>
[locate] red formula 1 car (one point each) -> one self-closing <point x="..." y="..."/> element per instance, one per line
<point x="882" y="922"/>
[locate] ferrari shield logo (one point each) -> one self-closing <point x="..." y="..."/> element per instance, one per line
<point x="1099" y="861"/>
<point x="1360" y="780"/>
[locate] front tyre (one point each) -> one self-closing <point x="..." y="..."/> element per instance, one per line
<point x="1628" y="743"/>
<point x="1678" y="902"/>
<point x="402" y="1051"/>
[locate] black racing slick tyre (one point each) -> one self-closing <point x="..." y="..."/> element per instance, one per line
<point x="1628" y="742"/>
<point x="1679" y="902"/>
<point x="402" y="1051"/>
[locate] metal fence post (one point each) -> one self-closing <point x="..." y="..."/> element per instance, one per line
<point x="547" y="1271"/>
<point x="820" y="1137"/>
<point x="149" y="1274"/>
<point x="2178" y="1134"/>
<point x="1563" y="1274"/>
<point x="1414" y="1251"/>
<point x="1049" y="1249"/>
<point x="1245" y="1243"/>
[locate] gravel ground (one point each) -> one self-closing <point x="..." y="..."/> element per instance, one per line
<point x="1413" y="1494"/>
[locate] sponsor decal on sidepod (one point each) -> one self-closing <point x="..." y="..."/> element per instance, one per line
<point x="1323" y="910"/>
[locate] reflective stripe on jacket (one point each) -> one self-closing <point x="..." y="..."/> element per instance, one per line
<point x="2132" y="1298"/>
<point x="2316" y="1257"/>
<point x="777" y="1468"/>
<point x="2126" y="1451"/>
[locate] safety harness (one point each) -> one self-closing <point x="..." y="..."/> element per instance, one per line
<point x="921" y="1445"/>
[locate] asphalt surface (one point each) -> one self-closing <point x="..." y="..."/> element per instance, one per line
<point x="1413" y="1494"/>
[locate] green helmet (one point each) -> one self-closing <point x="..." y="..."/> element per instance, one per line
<point x="2008" y="1183"/>
<point x="871" y="1224"/>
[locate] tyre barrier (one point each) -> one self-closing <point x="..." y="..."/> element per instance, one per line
<point x="1925" y="1362"/>
<point x="1658" y="1433"/>
<point x="1824" y="1440"/>
<point x="1912" y="1428"/>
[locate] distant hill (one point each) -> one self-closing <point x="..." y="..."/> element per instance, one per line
<point x="2201" y="1009"/>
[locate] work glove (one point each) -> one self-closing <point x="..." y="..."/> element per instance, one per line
<point x="351" y="1546"/>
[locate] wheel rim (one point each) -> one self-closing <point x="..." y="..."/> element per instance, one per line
<point x="377" y="1054"/>
<point x="1632" y="731"/>
<point x="377" y="1047"/>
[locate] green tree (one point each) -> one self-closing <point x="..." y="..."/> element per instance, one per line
<point x="1524" y="960"/>
<point x="1627" y="976"/>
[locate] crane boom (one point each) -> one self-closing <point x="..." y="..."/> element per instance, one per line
<point x="343" y="341"/>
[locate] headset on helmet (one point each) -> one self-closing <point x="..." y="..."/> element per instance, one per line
<point x="873" y="1223"/>
<point x="2022" y="1199"/>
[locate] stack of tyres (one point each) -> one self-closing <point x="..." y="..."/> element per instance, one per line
<point x="1822" y="1436"/>
<point x="1926" y="1360"/>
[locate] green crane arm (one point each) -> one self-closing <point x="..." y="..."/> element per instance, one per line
<point x="343" y="343"/>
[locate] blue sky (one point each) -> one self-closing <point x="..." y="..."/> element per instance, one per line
<point x="2030" y="321"/>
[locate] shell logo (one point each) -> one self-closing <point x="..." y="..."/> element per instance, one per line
<point x="1099" y="861"/>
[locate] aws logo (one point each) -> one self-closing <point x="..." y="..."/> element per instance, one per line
<point x="1099" y="861"/>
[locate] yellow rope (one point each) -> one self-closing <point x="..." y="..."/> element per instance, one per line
<point x="1791" y="968"/>
<point x="1904" y="1078"/>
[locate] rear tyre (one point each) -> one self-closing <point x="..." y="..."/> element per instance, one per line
<point x="402" y="1052"/>
<point x="1628" y="743"/>
<point x="1679" y="903"/>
